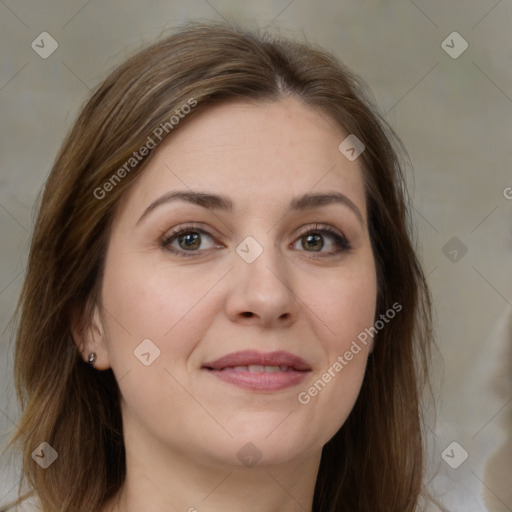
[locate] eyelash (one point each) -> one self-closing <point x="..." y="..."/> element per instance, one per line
<point x="339" y="239"/>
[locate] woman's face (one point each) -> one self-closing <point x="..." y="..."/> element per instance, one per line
<point x="262" y="262"/>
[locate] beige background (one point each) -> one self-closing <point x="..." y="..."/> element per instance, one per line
<point x="453" y="115"/>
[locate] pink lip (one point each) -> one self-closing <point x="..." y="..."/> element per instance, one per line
<point x="250" y="357"/>
<point x="223" y="369"/>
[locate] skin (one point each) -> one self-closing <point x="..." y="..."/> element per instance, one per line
<point x="183" y="427"/>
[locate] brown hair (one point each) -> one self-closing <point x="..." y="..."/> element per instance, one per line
<point x="376" y="459"/>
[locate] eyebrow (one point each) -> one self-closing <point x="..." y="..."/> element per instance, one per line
<point x="225" y="204"/>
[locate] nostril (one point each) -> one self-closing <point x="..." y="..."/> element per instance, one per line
<point x="247" y="314"/>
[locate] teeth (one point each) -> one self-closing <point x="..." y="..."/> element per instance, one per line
<point x="258" y="368"/>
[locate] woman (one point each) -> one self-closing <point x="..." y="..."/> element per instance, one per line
<point x="223" y="308"/>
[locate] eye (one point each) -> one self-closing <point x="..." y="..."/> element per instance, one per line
<point x="187" y="239"/>
<point x="190" y="241"/>
<point x="314" y="240"/>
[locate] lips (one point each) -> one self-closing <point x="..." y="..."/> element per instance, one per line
<point x="257" y="371"/>
<point x="253" y="361"/>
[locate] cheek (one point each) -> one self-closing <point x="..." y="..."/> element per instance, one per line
<point x="345" y="304"/>
<point x="346" y="312"/>
<point x="172" y="310"/>
<point x="145" y="301"/>
<point x="330" y="398"/>
<point x="151" y="298"/>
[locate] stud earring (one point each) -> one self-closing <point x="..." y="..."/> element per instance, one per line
<point x="92" y="358"/>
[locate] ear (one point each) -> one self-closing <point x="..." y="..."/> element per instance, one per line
<point x="89" y="336"/>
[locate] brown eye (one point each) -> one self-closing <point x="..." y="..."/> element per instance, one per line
<point x="191" y="240"/>
<point x="316" y="239"/>
<point x="188" y="240"/>
<point x="314" y="242"/>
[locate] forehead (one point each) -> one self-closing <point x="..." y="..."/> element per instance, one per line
<point x="256" y="153"/>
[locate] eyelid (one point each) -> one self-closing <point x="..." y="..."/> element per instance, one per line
<point x="319" y="227"/>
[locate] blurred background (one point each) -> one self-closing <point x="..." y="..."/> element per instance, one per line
<point x="441" y="74"/>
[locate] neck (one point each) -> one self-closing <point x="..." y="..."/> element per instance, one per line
<point x="164" y="480"/>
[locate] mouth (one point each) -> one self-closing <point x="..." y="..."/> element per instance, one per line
<point x="254" y="370"/>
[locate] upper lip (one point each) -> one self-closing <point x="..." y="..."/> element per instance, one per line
<point x="253" y="357"/>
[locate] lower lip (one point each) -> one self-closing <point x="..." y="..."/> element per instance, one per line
<point x="260" y="381"/>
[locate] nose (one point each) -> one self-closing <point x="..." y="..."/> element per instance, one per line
<point x="262" y="292"/>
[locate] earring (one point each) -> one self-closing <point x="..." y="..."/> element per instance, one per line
<point x="92" y="358"/>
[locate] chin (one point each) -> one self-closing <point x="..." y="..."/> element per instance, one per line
<point x="255" y="446"/>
